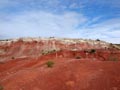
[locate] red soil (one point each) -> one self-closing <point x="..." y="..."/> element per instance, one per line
<point x="66" y="74"/>
<point x="92" y="71"/>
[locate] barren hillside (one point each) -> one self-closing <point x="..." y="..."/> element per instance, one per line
<point x="59" y="64"/>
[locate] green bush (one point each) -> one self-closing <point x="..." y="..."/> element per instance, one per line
<point x="50" y="63"/>
<point x="1" y="87"/>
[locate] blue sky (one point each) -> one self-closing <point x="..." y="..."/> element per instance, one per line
<point x="89" y="19"/>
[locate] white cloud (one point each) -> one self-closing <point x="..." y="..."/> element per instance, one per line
<point x="75" y="5"/>
<point x="41" y="24"/>
<point x="108" y="30"/>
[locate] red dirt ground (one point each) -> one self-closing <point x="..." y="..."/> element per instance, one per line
<point x="67" y="73"/>
<point x="92" y="71"/>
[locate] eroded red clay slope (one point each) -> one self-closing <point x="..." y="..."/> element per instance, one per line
<point x="92" y="71"/>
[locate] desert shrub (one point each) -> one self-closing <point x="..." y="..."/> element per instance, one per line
<point x="2" y="62"/>
<point x="13" y="57"/>
<point x="54" y="50"/>
<point x="20" y="40"/>
<point x="92" y="51"/>
<point x="7" y="40"/>
<point x="35" y="41"/>
<point x="97" y="39"/>
<point x="111" y="44"/>
<point x="112" y="58"/>
<point x="51" y="37"/>
<point x="50" y="63"/>
<point x="42" y="53"/>
<point x="84" y="51"/>
<point x="47" y="52"/>
<point x="1" y="87"/>
<point x="78" y="57"/>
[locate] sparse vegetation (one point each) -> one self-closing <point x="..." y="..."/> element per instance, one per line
<point x="117" y="44"/>
<point x="1" y="87"/>
<point x="97" y="39"/>
<point x="50" y="63"/>
<point x="13" y="57"/>
<point x="35" y="41"/>
<point x="48" y="52"/>
<point x="111" y="44"/>
<point x="92" y="51"/>
<point x="20" y="40"/>
<point x="78" y="57"/>
<point x="51" y="37"/>
<point x="45" y="52"/>
<point x="1" y="62"/>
